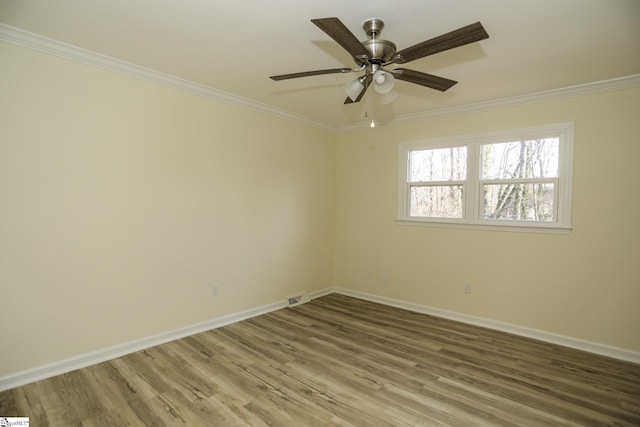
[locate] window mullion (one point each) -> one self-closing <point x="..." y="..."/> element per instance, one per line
<point x="434" y="183"/>
<point x="518" y="181"/>
<point x="471" y="189"/>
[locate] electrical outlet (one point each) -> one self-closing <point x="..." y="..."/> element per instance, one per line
<point x="466" y="288"/>
<point x="385" y="277"/>
<point x="215" y="290"/>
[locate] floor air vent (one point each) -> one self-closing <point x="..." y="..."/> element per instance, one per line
<point x="298" y="299"/>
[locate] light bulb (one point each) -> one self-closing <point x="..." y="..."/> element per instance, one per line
<point x="383" y="81"/>
<point x="373" y="124"/>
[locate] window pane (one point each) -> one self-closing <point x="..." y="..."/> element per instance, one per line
<point x="519" y="202"/>
<point x="436" y="201"/>
<point x="520" y="159"/>
<point x="441" y="164"/>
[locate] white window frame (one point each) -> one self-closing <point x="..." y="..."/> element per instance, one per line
<point x="472" y="210"/>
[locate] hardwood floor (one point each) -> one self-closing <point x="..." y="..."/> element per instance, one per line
<point x="340" y="361"/>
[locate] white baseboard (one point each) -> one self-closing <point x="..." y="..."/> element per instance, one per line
<point x="99" y="356"/>
<point x="63" y="366"/>
<point x="591" y="347"/>
<point x="67" y="365"/>
<point x="321" y="293"/>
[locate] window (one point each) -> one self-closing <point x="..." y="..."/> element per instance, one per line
<point x="517" y="178"/>
<point x="437" y="177"/>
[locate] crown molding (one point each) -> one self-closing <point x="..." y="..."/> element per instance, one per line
<point x="532" y="98"/>
<point x="30" y="40"/>
<point x="43" y="44"/>
<point x="620" y="83"/>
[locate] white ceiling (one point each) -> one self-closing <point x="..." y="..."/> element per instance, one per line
<point x="233" y="46"/>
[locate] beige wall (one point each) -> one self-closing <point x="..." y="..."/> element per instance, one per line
<point x="584" y="285"/>
<point x="122" y="202"/>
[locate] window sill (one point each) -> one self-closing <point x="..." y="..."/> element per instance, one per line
<point x="518" y="228"/>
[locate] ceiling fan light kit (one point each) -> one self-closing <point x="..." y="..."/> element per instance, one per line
<point x="374" y="54"/>
<point x="387" y="97"/>
<point x="383" y="82"/>
<point x="353" y="88"/>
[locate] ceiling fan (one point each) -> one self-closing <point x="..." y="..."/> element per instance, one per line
<point x="374" y="54"/>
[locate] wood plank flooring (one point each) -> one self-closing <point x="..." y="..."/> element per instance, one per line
<point x="340" y="361"/>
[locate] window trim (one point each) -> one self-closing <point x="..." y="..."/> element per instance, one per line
<point x="472" y="206"/>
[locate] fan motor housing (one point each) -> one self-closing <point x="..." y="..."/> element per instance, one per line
<point x="379" y="50"/>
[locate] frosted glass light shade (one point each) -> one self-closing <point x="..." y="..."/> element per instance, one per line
<point x="387" y="97"/>
<point x="353" y="89"/>
<point x="382" y="81"/>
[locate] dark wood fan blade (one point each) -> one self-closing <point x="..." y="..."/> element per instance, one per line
<point x="456" y="38"/>
<point x="341" y="34"/>
<point x="423" y="79"/>
<point x="311" y="73"/>
<point x="367" y="83"/>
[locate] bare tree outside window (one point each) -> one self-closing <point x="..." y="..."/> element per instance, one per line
<point x="440" y="164"/>
<point x="519" y="179"/>
<point x="437" y="182"/>
<point x="516" y="179"/>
